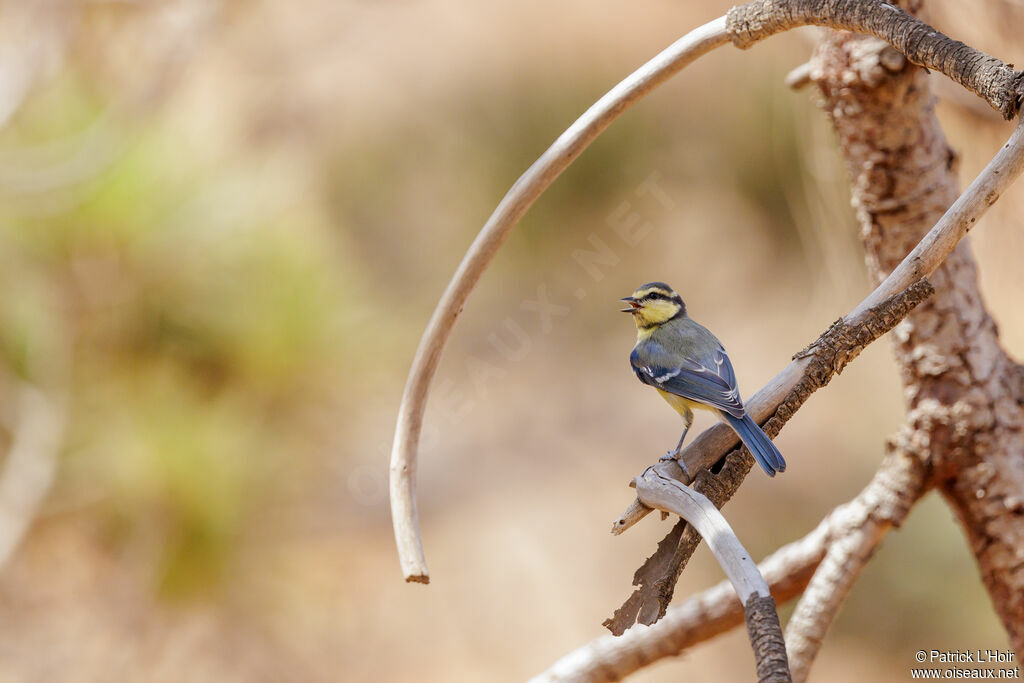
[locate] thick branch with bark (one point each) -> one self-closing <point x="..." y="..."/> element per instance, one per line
<point x="961" y="388"/>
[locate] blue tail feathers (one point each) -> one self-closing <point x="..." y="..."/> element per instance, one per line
<point x="758" y="443"/>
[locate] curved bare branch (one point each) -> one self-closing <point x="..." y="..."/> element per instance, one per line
<point x="671" y="496"/>
<point x="519" y="198"/>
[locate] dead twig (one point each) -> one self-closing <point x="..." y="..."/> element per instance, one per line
<point x="799" y="77"/>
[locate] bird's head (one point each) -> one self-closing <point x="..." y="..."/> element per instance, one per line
<point x="653" y="304"/>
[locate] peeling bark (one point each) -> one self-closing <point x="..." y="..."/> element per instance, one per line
<point x="961" y="389"/>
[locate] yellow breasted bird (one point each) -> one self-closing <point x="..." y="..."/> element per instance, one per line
<point x="690" y="369"/>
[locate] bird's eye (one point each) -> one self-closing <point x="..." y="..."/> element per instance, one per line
<point x="655" y="295"/>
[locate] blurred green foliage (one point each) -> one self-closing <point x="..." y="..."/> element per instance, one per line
<point x="185" y="331"/>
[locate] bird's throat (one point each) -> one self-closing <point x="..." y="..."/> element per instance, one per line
<point x="644" y="331"/>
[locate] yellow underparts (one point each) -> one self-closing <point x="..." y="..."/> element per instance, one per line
<point x="683" y="406"/>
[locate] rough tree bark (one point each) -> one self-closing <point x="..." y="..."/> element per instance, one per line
<point x="964" y="416"/>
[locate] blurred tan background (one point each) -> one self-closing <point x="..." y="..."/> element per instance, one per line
<point x="223" y="226"/>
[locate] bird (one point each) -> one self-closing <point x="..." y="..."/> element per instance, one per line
<point x="689" y="367"/>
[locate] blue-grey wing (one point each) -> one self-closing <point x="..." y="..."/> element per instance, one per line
<point x="710" y="380"/>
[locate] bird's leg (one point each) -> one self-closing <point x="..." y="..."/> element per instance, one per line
<point x="674" y="454"/>
<point x="679" y="446"/>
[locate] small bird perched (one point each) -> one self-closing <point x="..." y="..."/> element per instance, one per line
<point x="690" y="369"/>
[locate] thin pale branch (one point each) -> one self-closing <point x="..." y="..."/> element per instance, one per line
<point x="696" y="620"/>
<point x="762" y="618"/>
<point x="526" y="190"/>
<point x="897" y="485"/>
<point x="827" y="591"/>
<point x="33" y="33"/>
<point x="671" y="496"/>
<point x="899" y="482"/>
<point x="799" y="77"/>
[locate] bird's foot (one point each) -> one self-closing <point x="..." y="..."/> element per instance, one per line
<point x="674" y="455"/>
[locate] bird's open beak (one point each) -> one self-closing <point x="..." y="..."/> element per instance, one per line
<point x="634" y="305"/>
